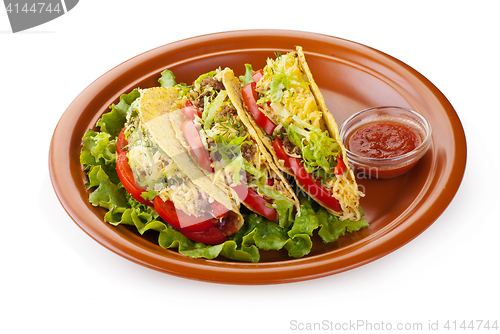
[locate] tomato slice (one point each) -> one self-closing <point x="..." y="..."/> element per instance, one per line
<point x="194" y="141"/>
<point x="218" y="210"/>
<point x="251" y="198"/>
<point x="340" y="168"/>
<point x="189" y="110"/>
<point x="250" y="98"/>
<point x="212" y="236"/>
<point x="127" y="178"/>
<point x="121" y="142"/>
<point x="204" y="231"/>
<point x="257" y="75"/>
<point x="259" y="204"/>
<point x="181" y="220"/>
<point x="314" y="188"/>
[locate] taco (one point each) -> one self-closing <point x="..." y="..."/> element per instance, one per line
<point x="285" y="106"/>
<point x="213" y="127"/>
<point x="156" y="170"/>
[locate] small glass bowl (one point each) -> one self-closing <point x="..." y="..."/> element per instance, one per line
<point x="386" y="168"/>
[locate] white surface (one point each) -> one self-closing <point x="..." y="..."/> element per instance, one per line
<point x="54" y="278"/>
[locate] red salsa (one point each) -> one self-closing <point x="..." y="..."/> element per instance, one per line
<point x="383" y="140"/>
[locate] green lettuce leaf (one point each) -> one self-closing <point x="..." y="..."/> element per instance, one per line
<point x="113" y="121"/>
<point x="307" y="222"/>
<point x="167" y="79"/>
<point x="333" y="228"/>
<point x="299" y="246"/>
<point x="247" y="78"/>
<point x="170" y="238"/>
<point x="268" y="235"/>
<point x="107" y="194"/>
<point x="283" y="206"/>
<point x="98" y="149"/>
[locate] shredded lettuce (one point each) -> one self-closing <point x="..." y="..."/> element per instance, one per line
<point x="197" y="85"/>
<point x="318" y="149"/>
<point x="280" y="81"/>
<point x="230" y="151"/>
<point x="211" y="110"/>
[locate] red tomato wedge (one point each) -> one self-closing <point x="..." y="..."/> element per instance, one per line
<point x="121" y="142"/>
<point x="257" y="75"/>
<point x="259" y="204"/>
<point x="314" y="188"/>
<point x="189" y="110"/>
<point x="251" y="198"/>
<point x="127" y="178"/>
<point x="218" y="210"/>
<point x="250" y="99"/>
<point x="340" y="168"/>
<point x="211" y="237"/>
<point x="181" y="220"/>
<point x="194" y="141"/>
<point x="204" y="232"/>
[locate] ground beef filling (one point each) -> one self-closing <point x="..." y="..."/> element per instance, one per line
<point x="208" y="81"/>
<point x="226" y="113"/>
<point x="248" y="151"/>
<point x="289" y="146"/>
<point x="211" y="82"/>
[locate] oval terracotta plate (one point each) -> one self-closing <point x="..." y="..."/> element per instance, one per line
<point x="352" y="77"/>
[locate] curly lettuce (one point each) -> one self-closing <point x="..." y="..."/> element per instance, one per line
<point x="247" y="77"/>
<point x="167" y="79"/>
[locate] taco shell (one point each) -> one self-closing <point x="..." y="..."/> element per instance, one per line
<point x="157" y="105"/>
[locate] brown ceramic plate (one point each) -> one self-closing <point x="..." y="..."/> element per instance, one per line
<point x="352" y="77"/>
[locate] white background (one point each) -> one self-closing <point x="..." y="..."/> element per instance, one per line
<point x="56" y="279"/>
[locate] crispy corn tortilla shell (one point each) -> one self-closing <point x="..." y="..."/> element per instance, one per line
<point x="348" y="212"/>
<point x="233" y="88"/>
<point x="156" y="105"/>
<point x="330" y="123"/>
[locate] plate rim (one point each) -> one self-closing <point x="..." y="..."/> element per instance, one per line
<point x="233" y="272"/>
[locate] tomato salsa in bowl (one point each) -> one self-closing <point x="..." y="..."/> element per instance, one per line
<point x="385" y="142"/>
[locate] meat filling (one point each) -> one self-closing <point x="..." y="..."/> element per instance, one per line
<point x="289" y="146"/>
